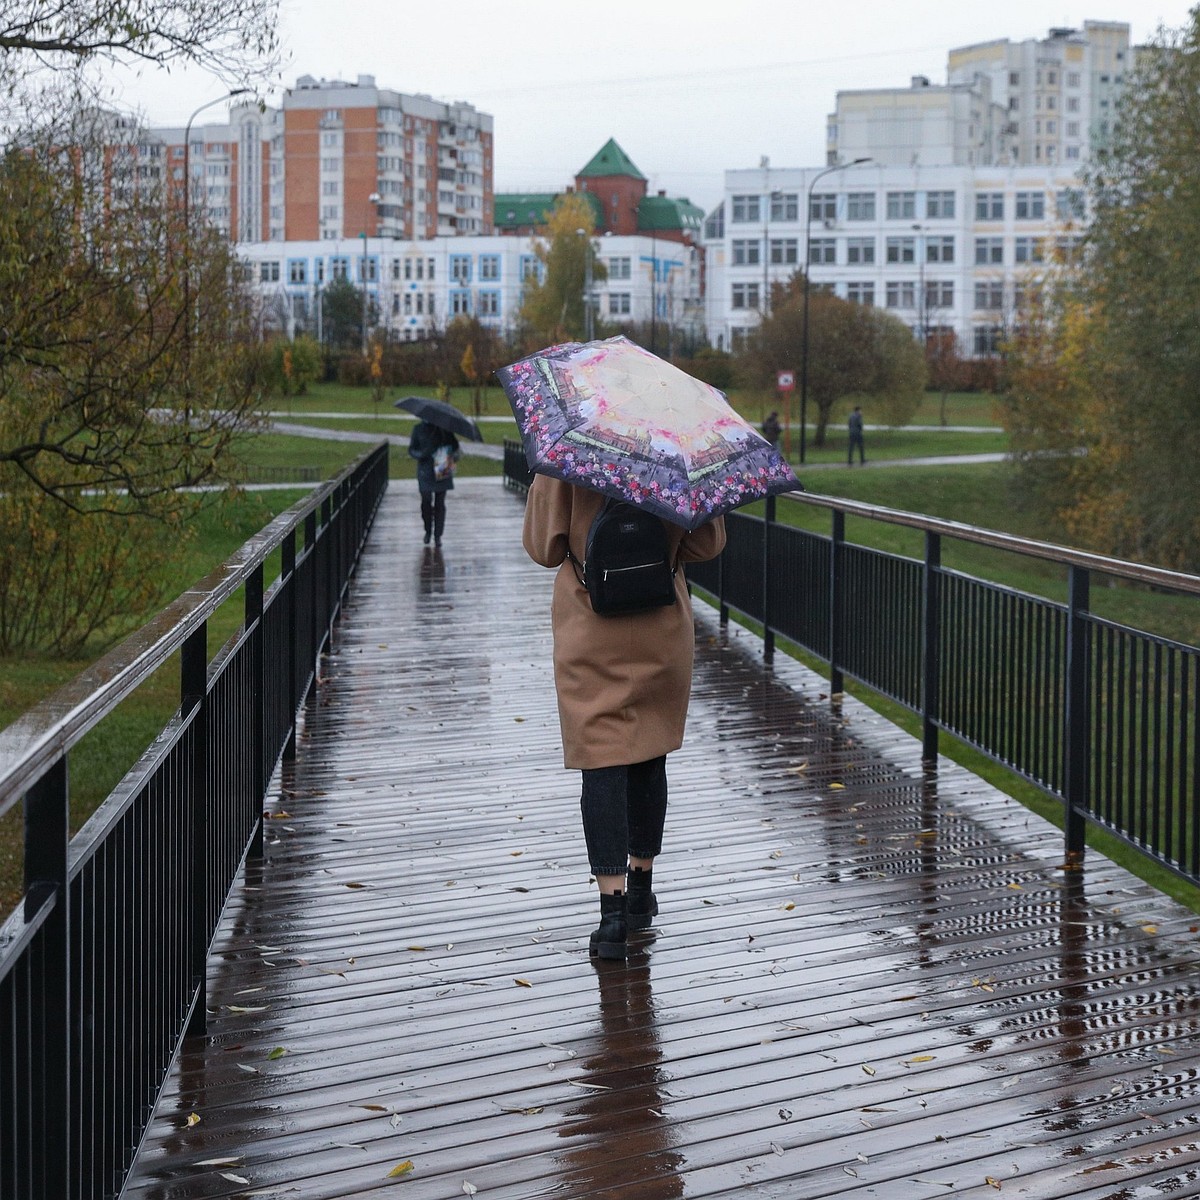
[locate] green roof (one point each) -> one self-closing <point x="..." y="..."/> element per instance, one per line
<point x="610" y="160"/>
<point x="513" y="210"/>
<point x="657" y="213"/>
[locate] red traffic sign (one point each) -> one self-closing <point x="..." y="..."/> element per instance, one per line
<point x="785" y="381"/>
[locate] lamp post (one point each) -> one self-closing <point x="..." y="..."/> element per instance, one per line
<point x="374" y="199"/>
<point x="588" y="321"/>
<point x="807" y="273"/>
<point x="922" y="304"/>
<point x="187" y="215"/>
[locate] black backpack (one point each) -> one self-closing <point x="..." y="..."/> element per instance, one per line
<point x="627" y="562"/>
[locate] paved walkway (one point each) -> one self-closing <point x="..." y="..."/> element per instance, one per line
<point x="865" y="981"/>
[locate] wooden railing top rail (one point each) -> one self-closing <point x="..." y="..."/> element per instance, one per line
<point x="32" y="742"/>
<point x="1156" y="576"/>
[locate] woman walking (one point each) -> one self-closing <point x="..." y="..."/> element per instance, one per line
<point x="437" y="453"/>
<point x="623" y="685"/>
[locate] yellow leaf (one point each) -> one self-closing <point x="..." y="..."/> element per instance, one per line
<point x="1016" y="887"/>
<point x="278" y="1052"/>
<point x="837" y="787"/>
<point x="993" y="1182"/>
<point x="920" y="1058"/>
<point x="400" y="1169"/>
<point x="869" y="1070"/>
<point x="787" y="907"/>
<point x="1149" y="928"/>
<point x="415" y="947"/>
<point x="522" y="983"/>
<point x="193" y="1119"/>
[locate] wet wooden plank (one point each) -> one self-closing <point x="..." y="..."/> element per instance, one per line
<point x="864" y="980"/>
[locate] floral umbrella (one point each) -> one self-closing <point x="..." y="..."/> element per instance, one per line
<point x="615" y="418"/>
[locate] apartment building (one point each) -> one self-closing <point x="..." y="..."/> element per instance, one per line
<point x="946" y="249"/>
<point x="335" y="160"/>
<point x="417" y="287"/>
<point x="1041" y="101"/>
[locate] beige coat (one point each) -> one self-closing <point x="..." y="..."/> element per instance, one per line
<point x="623" y="682"/>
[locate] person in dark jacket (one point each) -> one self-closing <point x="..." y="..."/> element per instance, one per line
<point x="437" y="452"/>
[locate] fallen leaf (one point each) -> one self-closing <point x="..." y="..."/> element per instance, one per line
<point x="850" y="1171"/>
<point x="192" y="1119"/>
<point x="787" y="907"/>
<point x="522" y="982"/>
<point x="523" y="1112"/>
<point x="869" y="1070"/>
<point x="278" y="1052"/>
<point x="219" y="1162"/>
<point x="248" y="1069"/>
<point x="233" y="1178"/>
<point x="400" y="1169"/>
<point x="372" y="1107"/>
<point x="518" y="720"/>
<point x="837" y="787"/>
<point x="919" y="1058"/>
<point x="993" y="1182"/>
<point x="356" y="885"/>
<point x="243" y="1008"/>
<point x="469" y="1188"/>
<point x="1149" y="928"/>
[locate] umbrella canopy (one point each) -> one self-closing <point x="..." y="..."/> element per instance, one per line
<point x="443" y="415"/>
<point x="615" y="418"/>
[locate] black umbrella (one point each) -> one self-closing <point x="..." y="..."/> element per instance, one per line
<point x="441" y="414"/>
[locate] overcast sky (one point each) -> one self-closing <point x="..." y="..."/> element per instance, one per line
<point x="688" y="88"/>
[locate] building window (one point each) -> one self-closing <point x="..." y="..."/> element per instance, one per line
<point x="460" y="302"/>
<point x="339" y="267"/>
<point x="1031" y="206"/>
<point x="860" y="250"/>
<point x="297" y="271"/>
<point x="489" y="304"/>
<point x="745" y="295"/>
<point x="860" y="206"/>
<point x="989" y="206"/>
<point x="620" y="268"/>
<point x="1070" y="205"/>
<point x="330" y="212"/>
<point x="331" y="164"/>
<point x="489" y="267"/>
<point x="939" y="293"/>
<point x="987" y="339"/>
<point x="901" y="293"/>
<point x="746" y="208"/>
<point x="822" y="252"/>
<point x="268" y="272"/>
<point x="460" y="268"/>
<point x="989" y="251"/>
<point x="745" y="252"/>
<point x="785" y="251"/>
<point x="861" y="293"/>
<point x="785" y="206"/>
<point x="618" y="304"/>
<point x="989" y="294"/>
<point x="939" y="204"/>
<point x="823" y="207"/>
<point x="901" y="250"/>
<point x="331" y="187"/>
<point x="530" y="267"/>
<point x="1030" y="250"/>
<point x="939" y="249"/>
<point x="901" y="206"/>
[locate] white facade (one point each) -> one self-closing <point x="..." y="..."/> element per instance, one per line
<point x="419" y="287"/>
<point x="942" y="248"/>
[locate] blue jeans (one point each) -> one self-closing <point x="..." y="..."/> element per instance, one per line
<point x="624" y="809"/>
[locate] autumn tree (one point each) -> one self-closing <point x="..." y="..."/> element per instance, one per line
<point x="552" y="308"/>
<point x="854" y="350"/>
<point x="1111" y="376"/>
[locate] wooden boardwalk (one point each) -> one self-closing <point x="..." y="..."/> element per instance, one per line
<point x="864" y="981"/>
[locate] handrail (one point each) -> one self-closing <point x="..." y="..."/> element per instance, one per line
<point x="43" y="733"/>
<point x="1064" y="555"/>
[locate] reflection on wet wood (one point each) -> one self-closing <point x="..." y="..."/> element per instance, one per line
<point x="863" y="981"/>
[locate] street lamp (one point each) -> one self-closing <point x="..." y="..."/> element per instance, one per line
<point x="187" y="226"/>
<point x="374" y="198"/>
<point x="588" y="323"/>
<point x="807" y="273"/>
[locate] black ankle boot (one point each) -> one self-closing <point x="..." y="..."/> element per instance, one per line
<point x="642" y="906"/>
<point x="608" y="940"/>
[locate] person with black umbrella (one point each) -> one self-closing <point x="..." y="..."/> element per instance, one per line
<point x="434" y="445"/>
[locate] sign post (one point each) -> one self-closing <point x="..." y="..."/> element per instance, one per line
<point x="785" y="385"/>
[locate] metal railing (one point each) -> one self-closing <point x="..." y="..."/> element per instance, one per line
<point x="1098" y="715"/>
<point x="102" y="967"/>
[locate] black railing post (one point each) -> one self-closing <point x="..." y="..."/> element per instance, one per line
<point x="768" y="632"/>
<point x="254" y="626"/>
<point x="193" y="707"/>
<point x="288" y="599"/>
<point x="310" y="553"/>
<point x="722" y="607"/>
<point x="1075" y="712"/>
<point x="837" y="544"/>
<point x="47" y="837"/>
<point x="931" y="648"/>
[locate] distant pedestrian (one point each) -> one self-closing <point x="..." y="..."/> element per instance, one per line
<point x="771" y="428"/>
<point x="855" y="426"/>
<point x="437" y="453"/>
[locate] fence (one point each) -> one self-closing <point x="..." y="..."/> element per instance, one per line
<point x="1098" y="715"/>
<point x="102" y="967"/>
